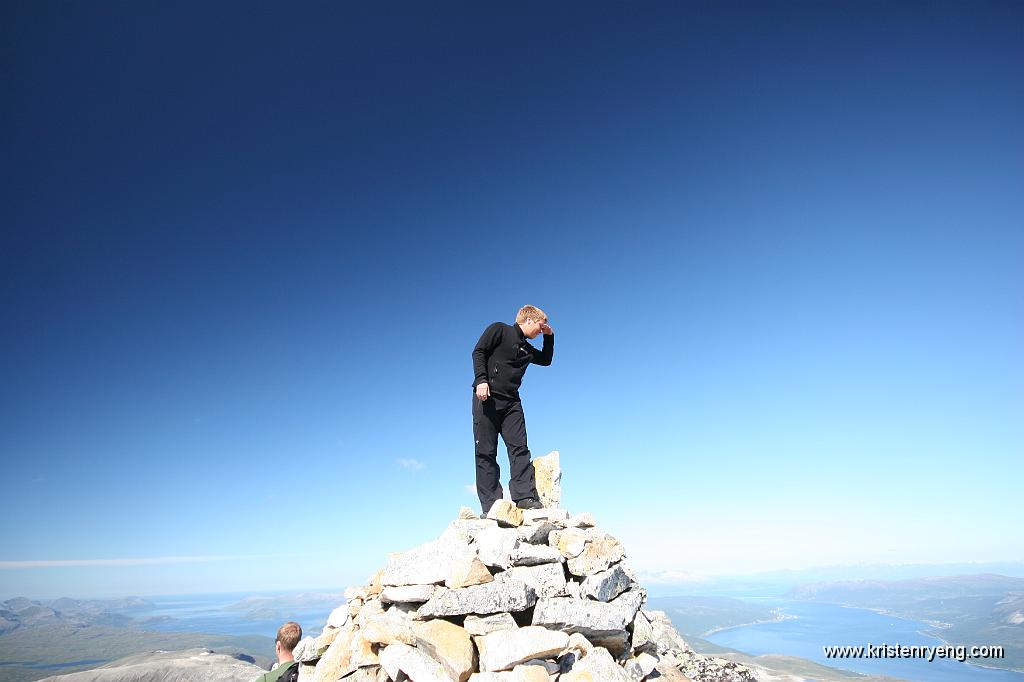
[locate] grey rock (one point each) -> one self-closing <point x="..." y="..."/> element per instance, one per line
<point x="666" y="639"/>
<point x="547" y="580"/>
<point x="536" y="533"/>
<point x="606" y="585"/>
<point x="594" y="619"/>
<point x="643" y="634"/>
<point x="484" y="625"/>
<point x="531" y="555"/>
<point x="640" y="666"/>
<point x="493" y="597"/>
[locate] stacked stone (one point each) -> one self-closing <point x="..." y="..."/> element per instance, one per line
<point x="518" y="596"/>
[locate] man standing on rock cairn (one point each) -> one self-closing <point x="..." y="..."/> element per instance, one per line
<point x="500" y="359"/>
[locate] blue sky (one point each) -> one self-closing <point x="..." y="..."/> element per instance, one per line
<point x="248" y="250"/>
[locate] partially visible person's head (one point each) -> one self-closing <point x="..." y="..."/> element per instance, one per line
<point x="288" y="635"/>
<point x="530" y="318"/>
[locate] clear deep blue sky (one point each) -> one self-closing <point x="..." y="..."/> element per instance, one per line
<point x="248" y="248"/>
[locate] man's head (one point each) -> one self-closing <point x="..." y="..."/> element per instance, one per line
<point x="288" y="635"/>
<point x="530" y="318"/>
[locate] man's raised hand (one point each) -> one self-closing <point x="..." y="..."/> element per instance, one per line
<point x="546" y="328"/>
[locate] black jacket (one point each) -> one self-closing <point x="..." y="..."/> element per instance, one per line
<point x="502" y="355"/>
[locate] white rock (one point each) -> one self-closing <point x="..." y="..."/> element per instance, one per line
<point x="338" y="617"/>
<point x="597" y="556"/>
<point x="466" y="530"/>
<point x="538" y="515"/>
<point x="597" y="665"/>
<point x="306" y="650"/>
<point x="355" y="593"/>
<point x="467" y="513"/>
<point x="495" y="546"/>
<point x="640" y="666"/>
<point x="570" y="542"/>
<point x="389" y="627"/>
<point x="504" y="649"/>
<point x="408" y="593"/>
<point x="416" y="664"/>
<point x="584" y="520"/>
<point x="426" y="564"/>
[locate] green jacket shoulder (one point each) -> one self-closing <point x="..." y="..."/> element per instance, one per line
<point x="276" y="673"/>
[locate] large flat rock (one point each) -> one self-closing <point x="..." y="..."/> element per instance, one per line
<point x="505" y="649"/>
<point x="494" y="597"/>
<point x="594" y="619"/>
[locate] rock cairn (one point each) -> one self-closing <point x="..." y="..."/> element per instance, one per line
<point x="519" y="596"/>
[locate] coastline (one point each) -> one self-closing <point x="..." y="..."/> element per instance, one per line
<point x="779" y="618"/>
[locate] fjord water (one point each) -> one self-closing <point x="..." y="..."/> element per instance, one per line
<point x="210" y="613"/>
<point x="810" y="627"/>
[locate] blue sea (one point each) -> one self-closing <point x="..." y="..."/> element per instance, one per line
<point x="208" y="613"/>
<point x="813" y="626"/>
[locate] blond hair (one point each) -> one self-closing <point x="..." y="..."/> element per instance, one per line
<point x="289" y="635"/>
<point x="531" y="311"/>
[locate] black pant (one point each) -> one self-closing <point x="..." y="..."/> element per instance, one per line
<point x="489" y="419"/>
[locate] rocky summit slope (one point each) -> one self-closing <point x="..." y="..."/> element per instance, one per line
<point x="523" y="596"/>
<point x="189" y="665"/>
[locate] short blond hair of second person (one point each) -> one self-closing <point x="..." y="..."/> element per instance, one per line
<point x="532" y="312"/>
<point x="289" y="635"/>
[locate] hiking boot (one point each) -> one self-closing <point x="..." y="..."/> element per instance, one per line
<point x="529" y="503"/>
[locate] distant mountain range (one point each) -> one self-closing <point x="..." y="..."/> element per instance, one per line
<point x="40" y="637"/>
<point x="21" y="612"/>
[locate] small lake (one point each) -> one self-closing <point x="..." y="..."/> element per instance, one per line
<point x="813" y="626"/>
